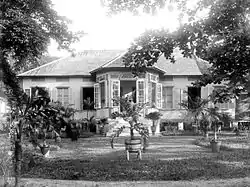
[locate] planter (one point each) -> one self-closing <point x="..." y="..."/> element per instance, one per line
<point x="63" y="134"/>
<point x="215" y="145"/>
<point x="133" y="145"/>
<point x="44" y="150"/>
<point x="145" y="143"/>
<point x="153" y="129"/>
<point x="74" y="134"/>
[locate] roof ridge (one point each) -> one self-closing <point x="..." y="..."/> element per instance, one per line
<point x="52" y="62"/>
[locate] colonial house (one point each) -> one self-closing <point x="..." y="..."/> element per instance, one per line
<point x="102" y="76"/>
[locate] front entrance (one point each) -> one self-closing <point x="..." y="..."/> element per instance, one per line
<point x="193" y="94"/>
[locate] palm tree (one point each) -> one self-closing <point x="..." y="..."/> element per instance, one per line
<point x="203" y="116"/>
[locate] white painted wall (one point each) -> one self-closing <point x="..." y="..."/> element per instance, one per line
<point x="75" y="84"/>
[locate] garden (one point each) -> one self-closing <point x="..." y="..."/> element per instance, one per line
<point x="167" y="158"/>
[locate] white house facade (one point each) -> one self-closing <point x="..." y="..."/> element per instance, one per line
<point x="102" y="76"/>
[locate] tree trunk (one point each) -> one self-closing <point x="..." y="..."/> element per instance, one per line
<point x="18" y="161"/>
<point x="132" y="133"/>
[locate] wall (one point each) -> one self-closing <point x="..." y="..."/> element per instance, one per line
<point x="75" y="85"/>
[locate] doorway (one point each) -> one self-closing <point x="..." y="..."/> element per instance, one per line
<point x="128" y="88"/>
<point x="88" y="93"/>
<point x="194" y="93"/>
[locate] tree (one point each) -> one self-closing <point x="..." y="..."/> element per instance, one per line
<point x="26" y="27"/>
<point x="43" y="59"/>
<point x="221" y="37"/>
<point x="203" y="116"/>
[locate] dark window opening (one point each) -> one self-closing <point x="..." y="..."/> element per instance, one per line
<point x="40" y="91"/>
<point x="88" y="93"/>
<point x="194" y="94"/>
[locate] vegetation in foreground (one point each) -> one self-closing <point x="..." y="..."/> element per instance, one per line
<point x="92" y="159"/>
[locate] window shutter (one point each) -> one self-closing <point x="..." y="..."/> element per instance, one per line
<point x="81" y="98"/>
<point x="106" y="93"/>
<point x="150" y="93"/>
<point x="210" y="91"/>
<point x="54" y="94"/>
<point x="204" y="92"/>
<point x="176" y="96"/>
<point x="159" y="95"/>
<point x="115" y="91"/>
<point x="183" y="96"/>
<point x="71" y="98"/>
<point x="97" y="96"/>
<point x="140" y="92"/>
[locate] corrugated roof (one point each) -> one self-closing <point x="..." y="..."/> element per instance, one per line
<point x="93" y="60"/>
<point x="80" y="64"/>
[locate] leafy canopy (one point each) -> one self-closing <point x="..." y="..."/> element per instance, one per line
<point x="221" y="37"/>
<point x="26" y="28"/>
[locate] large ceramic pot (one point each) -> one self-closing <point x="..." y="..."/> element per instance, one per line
<point x="215" y="145"/>
<point x="44" y="149"/>
<point x="74" y="134"/>
<point x="153" y="129"/>
<point x="133" y="145"/>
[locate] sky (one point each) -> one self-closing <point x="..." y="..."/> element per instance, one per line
<point x="103" y="32"/>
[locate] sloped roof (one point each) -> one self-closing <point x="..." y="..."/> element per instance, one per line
<point x="90" y="61"/>
<point x="80" y="64"/>
<point x="182" y="65"/>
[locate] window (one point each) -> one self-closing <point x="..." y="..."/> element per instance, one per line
<point x="100" y="94"/>
<point x="103" y="94"/>
<point x="63" y="96"/>
<point x="35" y="89"/>
<point x="97" y="95"/>
<point x="167" y="97"/>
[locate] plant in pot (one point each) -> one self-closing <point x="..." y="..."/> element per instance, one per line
<point x="131" y="112"/>
<point x="154" y="116"/>
<point x="217" y="118"/>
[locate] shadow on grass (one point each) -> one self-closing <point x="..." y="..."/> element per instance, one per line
<point x="101" y="163"/>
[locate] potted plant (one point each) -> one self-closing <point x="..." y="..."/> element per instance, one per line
<point x="154" y="116"/>
<point x="74" y="131"/>
<point x="130" y="112"/>
<point x="215" y="144"/>
<point x="44" y="148"/>
<point x="201" y="114"/>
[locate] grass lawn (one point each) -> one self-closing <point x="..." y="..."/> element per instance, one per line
<point x="167" y="158"/>
<point x="228" y="142"/>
